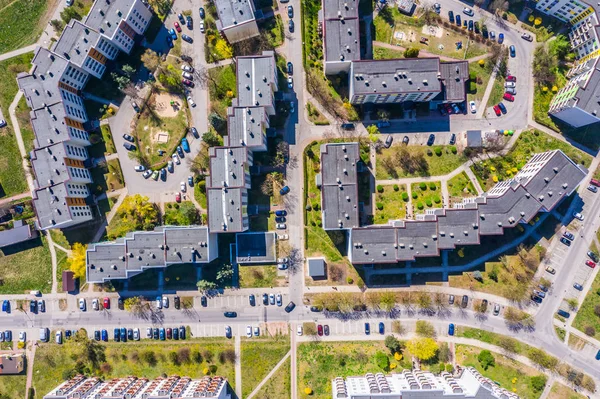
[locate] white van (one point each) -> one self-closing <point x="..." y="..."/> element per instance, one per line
<point x="44" y="334"/>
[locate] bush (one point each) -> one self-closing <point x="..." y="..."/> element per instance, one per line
<point x="415" y="195"/>
<point x="590" y="331"/>
<point x="349" y="280"/>
<point x="438" y="151"/>
<point x="382" y="361"/>
<point x="429" y="153"/>
<point x="423" y="186"/>
<point x="380" y="206"/>
<point x="420" y="205"/>
<point x="396" y="188"/>
<point x="379" y="188"/>
<point x="428" y="203"/>
<point x="486" y="359"/>
<point x="432" y="186"/>
<point x="453" y="149"/>
<point x="437" y="199"/>
<point x="538" y="382"/>
<point x="405" y="196"/>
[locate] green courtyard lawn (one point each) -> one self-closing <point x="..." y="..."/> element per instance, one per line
<point x="426" y="195"/>
<point x="24" y="119"/>
<point x="412" y="161"/>
<point x="108" y="175"/>
<point x="543" y="95"/>
<point x="200" y="192"/>
<point x="25" y="267"/>
<point x="393" y="201"/>
<point x="259" y="276"/>
<point x="384" y="53"/>
<point x="22" y="22"/>
<point x="107" y="138"/>
<point x="560" y="391"/>
<point x="497" y="91"/>
<point x="479" y="78"/>
<point x="509" y="374"/>
<point x="59" y="238"/>
<point x="586" y="316"/>
<point x="459" y="187"/>
<point x="193" y="358"/>
<point x="530" y="142"/>
<point x="136" y="212"/>
<point x="13" y="386"/>
<point x="258" y="357"/>
<point x="278" y="386"/>
<point x="183" y="214"/>
<point x="221" y="88"/>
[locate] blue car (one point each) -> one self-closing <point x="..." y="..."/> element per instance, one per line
<point x="381" y="328"/>
<point x="170" y="42"/>
<point x="458" y="20"/>
<point x="173" y="33"/>
<point x="513" y="51"/>
<point x="367" y="329"/>
<point x="6" y="306"/>
<point x="190" y="181"/>
<point x="185" y="145"/>
<point x="116" y="335"/>
<point x="598" y="355"/>
<point x="500" y="38"/>
<point x="502" y="108"/>
<point x="104" y="335"/>
<point x="162" y="334"/>
<point x="280" y="213"/>
<point x="123" y="334"/>
<point x="451" y="329"/>
<point x="284" y="190"/>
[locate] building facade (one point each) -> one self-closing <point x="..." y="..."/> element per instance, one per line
<point x="565" y="10"/>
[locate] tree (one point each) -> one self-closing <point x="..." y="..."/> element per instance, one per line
<point x="224" y="49"/>
<point x="544" y="66"/>
<point x="374" y="133"/>
<point x="411" y="52"/>
<point x="392" y="344"/>
<point x="424" y="301"/>
<point x="170" y="78"/>
<point x="538" y="382"/>
<point x="76" y="261"/>
<point x="478" y="276"/>
<point x="387" y="301"/>
<point x="397" y="327"/>
<point x="589" y="331"/>
<point x="573" y="303"/>
<point x="151" y="60"/>
<point x="517" y="319"/>
<point x="120" y="80"/>
<point x="382" y="361"/>
<point x="70" y="13"/>
<point x="444" y="352"/>
<point x="486" y="359"/>
<point x="212" y="139"/>
<point x="542" y="359"/>
<point x="161" y="7"/>
<point x="217" y="121"/>
<point x="204" y="286"/>
<point x="149" y="357"/>
<point x="425" y="329"/>
<point x="560" y="47"/>
<point x="57" y="25"/>
<point x="225" y="273"/>
<point x="508" y="344"/>
<point x="422" y="348"/>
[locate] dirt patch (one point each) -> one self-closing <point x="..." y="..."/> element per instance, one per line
<point x="167" y="105"/>
<point x="274" y="329"/>
<point x="433" y="31"/>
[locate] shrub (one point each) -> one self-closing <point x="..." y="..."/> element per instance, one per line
<point x="420" y="205"/>
<point x="396" y="188"/>
<point x="437" y="199"/>
<point x="428" y="203"/>
<point x="379" y="188"/>
<point x="486" y="359"/>
<point x="415" y="196"/>
<point x="432" y="186"/>
<point x="453" y="149"/>
<point x="538" y="382"/>
<point x="316" y="206"/>
<point x="438" y="151"/>
<point x="405" y="196"/>
<point x="380" y="205"/>
<point x="590" y="331"/>
<point x="429" y="153"/>
<point x="382" y="361"/>
<point x="597" y="310"/>
<point x="423" y="186"/>
<point x="349" y="280"/>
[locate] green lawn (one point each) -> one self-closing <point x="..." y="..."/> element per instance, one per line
<point x="59" y="238"/>
<point x="13" y="386"/>
<point x="543" y="95"/>
<point x="497" y="91"/>
<point x="24" y="119"/>
<point x="320" y="362"/>
<point x="460" y="186"/>
<point x="25" y="267"/>
<point x="508" y="373"/>
<point x="21" y="23"/>
<point x="481" y="75"/>
<point x="125" y="359"/>
<point x="108" y="139"/>
<point x="530" y="142"/>
<point x="429" y="197"/>
<point x="412" y="161"/>
<point x="394" y="206"/>
<point x="560" y="391"/>
<point x="273" y="31"/>
<point x="222" y="88"/>
<point x="183" y="214"/>
<point x="127" y="220"/>
<point x="585" y="315"/>
<point x="258" y="276"/>
<point x="384" y="53"/>
<point x="278" y="386"/>
<point x="258" y="357"/>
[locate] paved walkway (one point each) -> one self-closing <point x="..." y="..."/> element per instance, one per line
<point x="17" y="52"/>
<point x="488" y="91"/>
<point x="17" y="197"/>
<point x="30" y="360"/>
<point x="424" y="53"/>
<point x="268" y="377"/>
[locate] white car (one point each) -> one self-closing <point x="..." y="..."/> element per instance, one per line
<point x="82" y="304"/>
<point x="95" y="305"/>
<point x="227" y="331"/>
<point x="187" y="75"/>
<point x="299" y="330"/>
<point x="202" y="26"/>
<point x="183" y="187"/>
<point x="256" y="331"/>
<point x="473" y="107"/>
<point x="158" y="304"/>
<point x="510" y="85"/>
<point x="191" y="101"/>
<point x="22" y="336"/>
<point x="468" y="11"/>
<point x="511" y="90"/>
<point x="176" y="158"/>
<point x="148" y="332"/>
<point x="170" y="166"/>
<point x="282" y="266"/>
<point x="272" y="299"/>
<point x="279" y="302"/>
<point x="187" y="68"/>
<point x="69" y="3"/>
<point x="281" y="226"/>
<point x="165" y="301"/>
<point x="249" y="332"/>
<point x="290" y="82"/>
<point x="140" y="168"/>
<point x="283" y="237"/>
<point x="578" y="216"/>
<point x="136" y="334"/>
<point x="283" y="260"/>
<point x="2" y="123"/>
<point x="147" y="174"/>
<point x="58" y="337"/>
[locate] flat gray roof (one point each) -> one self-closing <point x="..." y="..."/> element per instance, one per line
<point x="106" y="261"/>
<point x="143" y="250"/>
<point x="316" y="267"/>
<point x="406" y="75"/>
<point x="49" y="125"/>
<point x="374" y="245"/>
<point x="588" y="95"/>
<point x="339" y="189"/>
<point x="226" y="207"/>
<point x="333" y="9"/>
<point x="104" y="15"/>
<point x="41" y="85"/>
<point x="50" y="205"/>
<point x="246" y="126"/>
<point x="255" y="247"/>
<point x="417" y="239"/>
<point x="76" y="41"/>
<point x="16" y="235"/>
<point x="454" y="78"/>
<point x="186" y="244"/>
<point x="234" y="12"/>
<point x="256" y="80"/>
<point x="49" y="165"/>
<point x="228" y="167"/>
<point x="343" y="40"/>
<point x="457" y="227"/>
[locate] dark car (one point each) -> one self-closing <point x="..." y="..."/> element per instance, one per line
<point x="189" y="22"/>
<point x="451" y="329"/>
<point x="161" y="334"/>
<point x="578" y="287"/>
<point x="451" y="16"/>
<point x="180" y="151"/>
<point x="169" y="333"/>
<point x="290" y="10"/>
<point x="513" y="51"/>
<point x="315" y="309"/>
<point x="186" y="58"/>
<point x="230" y="314"/>
<point x="170" y="42"/>
<point x="381" y="328"/>
<point x="281" y="212"/>
<point x="284" y="190"/>
<point x="470" y="26"/>
<point x="129" y="146"/>
<point x="155" y="333"/>
<point x="290" y="68"/>
<point x="185" y="144"/>
<point x="326" y="330"/>
<point x="194" y="132"/>
<point x="465" y="301"/>
<point x="181" y="332"/>
<point x="6" y="306"/>
<point x="458" y="20"/>
<point x="405" y="140"/>
<point x="33" y="306"/>
<point x="176" y="333"/>
<point x="188" y="83"/>
<point x="181" y="18"/>
<point x="68" y="334"/>
<point x="598" y="355"/>
<point x="290" y="306"/>
<point x="202" y="14"/>
<point x="348" y="126"/>
<point x="443" y="110"/>
<point x="320" y="330"/>
<point x="265" y="299"/>
<point x="502" y="108"/>
<point x="291" y="25"/>
<point x="130" y="334"/>
<point x="176" y="302"/>
<point x="163" y="174"/>
<point x="128" y="137"/>
<point x="569" y="235"/>
<point x="104" y="335"/>
<point x="477" y="27"/>
<point x="593" y="256"/>
<point x="452" y="139"/>
<point x="123" y="334"/>
<point x="187" y="38"/>
<point x="252" y="300"/>
<point x="536" y="298"/>
<point x="203" y="301"/>
<point x="484" y="305"/>
<point x="116" y="334"/>
<point x="367" y="329"/>
<point x="484" y="31"/>
<point x="565" y="241"/>
<point x="500" y="38"/>
<point x="280" y="219"/>
<point x="431" y="139"/>
<point x="388" y="141"/>
<point x="97" y="335"/>
<point x="120" y="303"/>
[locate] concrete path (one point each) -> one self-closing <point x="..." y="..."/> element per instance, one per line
<point x="17" y="52"/>
<point x="548" y="387"/>
<point x="488" y="91"/>
<point x="268" y="377"/>
<point x="67" y="251"/>
<point x="474" y="180"/>
<point x="17" y="197"/>
<point x="111" y="214"/>
<point x="30" y="360"/>
<point x="238" y="366"/>
<point x="294" y="360"/>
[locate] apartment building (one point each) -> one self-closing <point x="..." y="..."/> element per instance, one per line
<point x="236" y="21"/>
<point x="583" y="37"/>
<point x="60" y="163"/>
<point x="227" y="189"/>
<point x="341" y="30"/>
<point x="142" y="250"/>
<point x="540" y="186"/>
<point x="565" y="10"/>
<point x="119" y="21"/>
<point x="52" y="125"/>
<point x="173" y="387"/>
<point x="62" y="205"/>
<point x="469" y="384"/>
<point x="247" y="127"/>
<point x="256" y="77"/>
<point x="578" y="102"/>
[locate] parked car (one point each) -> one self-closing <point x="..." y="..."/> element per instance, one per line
<point x="187" y="68"/>
<point x="502" y="108"/>
<point x="265" y="299"/>
<point x="181" y="18"/>
<point x="201" y="11"/>
<point x="290" y="306"/>
<point x="230" y="314"/>
<point x="508" y="97"/>
<point x="492" y="35"/>
<point x="512" y="50"/>
<point x="189" y="21"/>
<point x="381" y="328"/>
<point x="593" y="256"/>
<point x="593" y="189"/>
<point x="319" y="330"/>
<point x="468" y="11"/>
<point x="452" y="139"/>
<point x="183" y="187"/>
<point x="451" y="329"/>
<point x="129" y="146"/>
<point x="536" y="298"/>
<point x="204" y="301"/>
<point x="281" y="212"/>
<point x="177" y="26"/>
<point x="326" y="330"/>
<point x="290" y="11"/>
<point x="82" y="305"/>
<point x="510" y="84"/>
<point x="299" y="330"/>
<point x="22" y="336"/>
<point x="511" y="90"/>
<point x="283" y="237"/>
<point x="278" y="300"/>
<point x="158" y="302"/>
<point x="280" y="226"/>
<point x="290" y="82"/>
<point x="176" y="159"/>
<point x="405" y="140"/>
<point x="569" y="235"/>
<point x="176" y="333"/>
<point x="161" y="334"/>
<point x="248" y="331"/>
<point x="496" y="310"/>
<point x="280" y="219"/>
<point x="590" y="264"/>
<point x="550" y="270"/>
<point x="465" y="301"/>
<point x="173" y="34"/>
<point x="188" y="83"/>
<point x="6" y="306"/>
<point x="348" y="126"/>
<point x="431" y="139"/>
<point x="367" y="329"/>
<point x="147" y="174"/>
<point x="187" y="38"/>
<point x="451" y="16"/>
<point x="291" y="25"/>
<point x="451" y="300"/>
<point x="578" y="286"/>
<point x="170" y="42"/>
<point x="284" y="190"/>
<point x="500" y="38"/>
<point x="185" y="145"/>
<point x="563" y="313"/>
<point x="527" y="36"/>
<point x="41" y="305"/>
<point x="497" y="110"/>
<point x="139" y="168"/>
<point x="169" y="332"/>
<point x="473" y="107"/>
<point x="578" y="216"/>
<point x="251" y="300"/>
<point x="187" y="75"/>
<point x="155" y="175"/>
<point x="565" y="241"/>
<point x="598" y="355"/>
<point x="290" y="68"/>
<point x="104" y="335"/>
<point x="191" y="101"/>
<point x="470" y="26"/>
<point x="511" y="78"/>
<point x="388" y="141"/>
<point x="227" y="332"/>
<point x="272" y="299"/>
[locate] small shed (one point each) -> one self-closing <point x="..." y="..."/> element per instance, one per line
<point x="406" y="6"/>
<point x="316" y="267"/>
<point x="68" y="281"/>
<point x="474" y="139"/>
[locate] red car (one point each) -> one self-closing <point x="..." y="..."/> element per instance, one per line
<point x="508" y="97"/>
<point x="178" y="197"/>
<point x="169" y="333"/>
<point x="320" y="330"/>
<point x="497" y="110"/>
<point x="106" y="303"/>
<point x="177" y="26"/>
<point x="590" y="263"/>
<point x="511" y="78"/>
<point x="449" y="109"/>
<point x="188" y="83"/>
